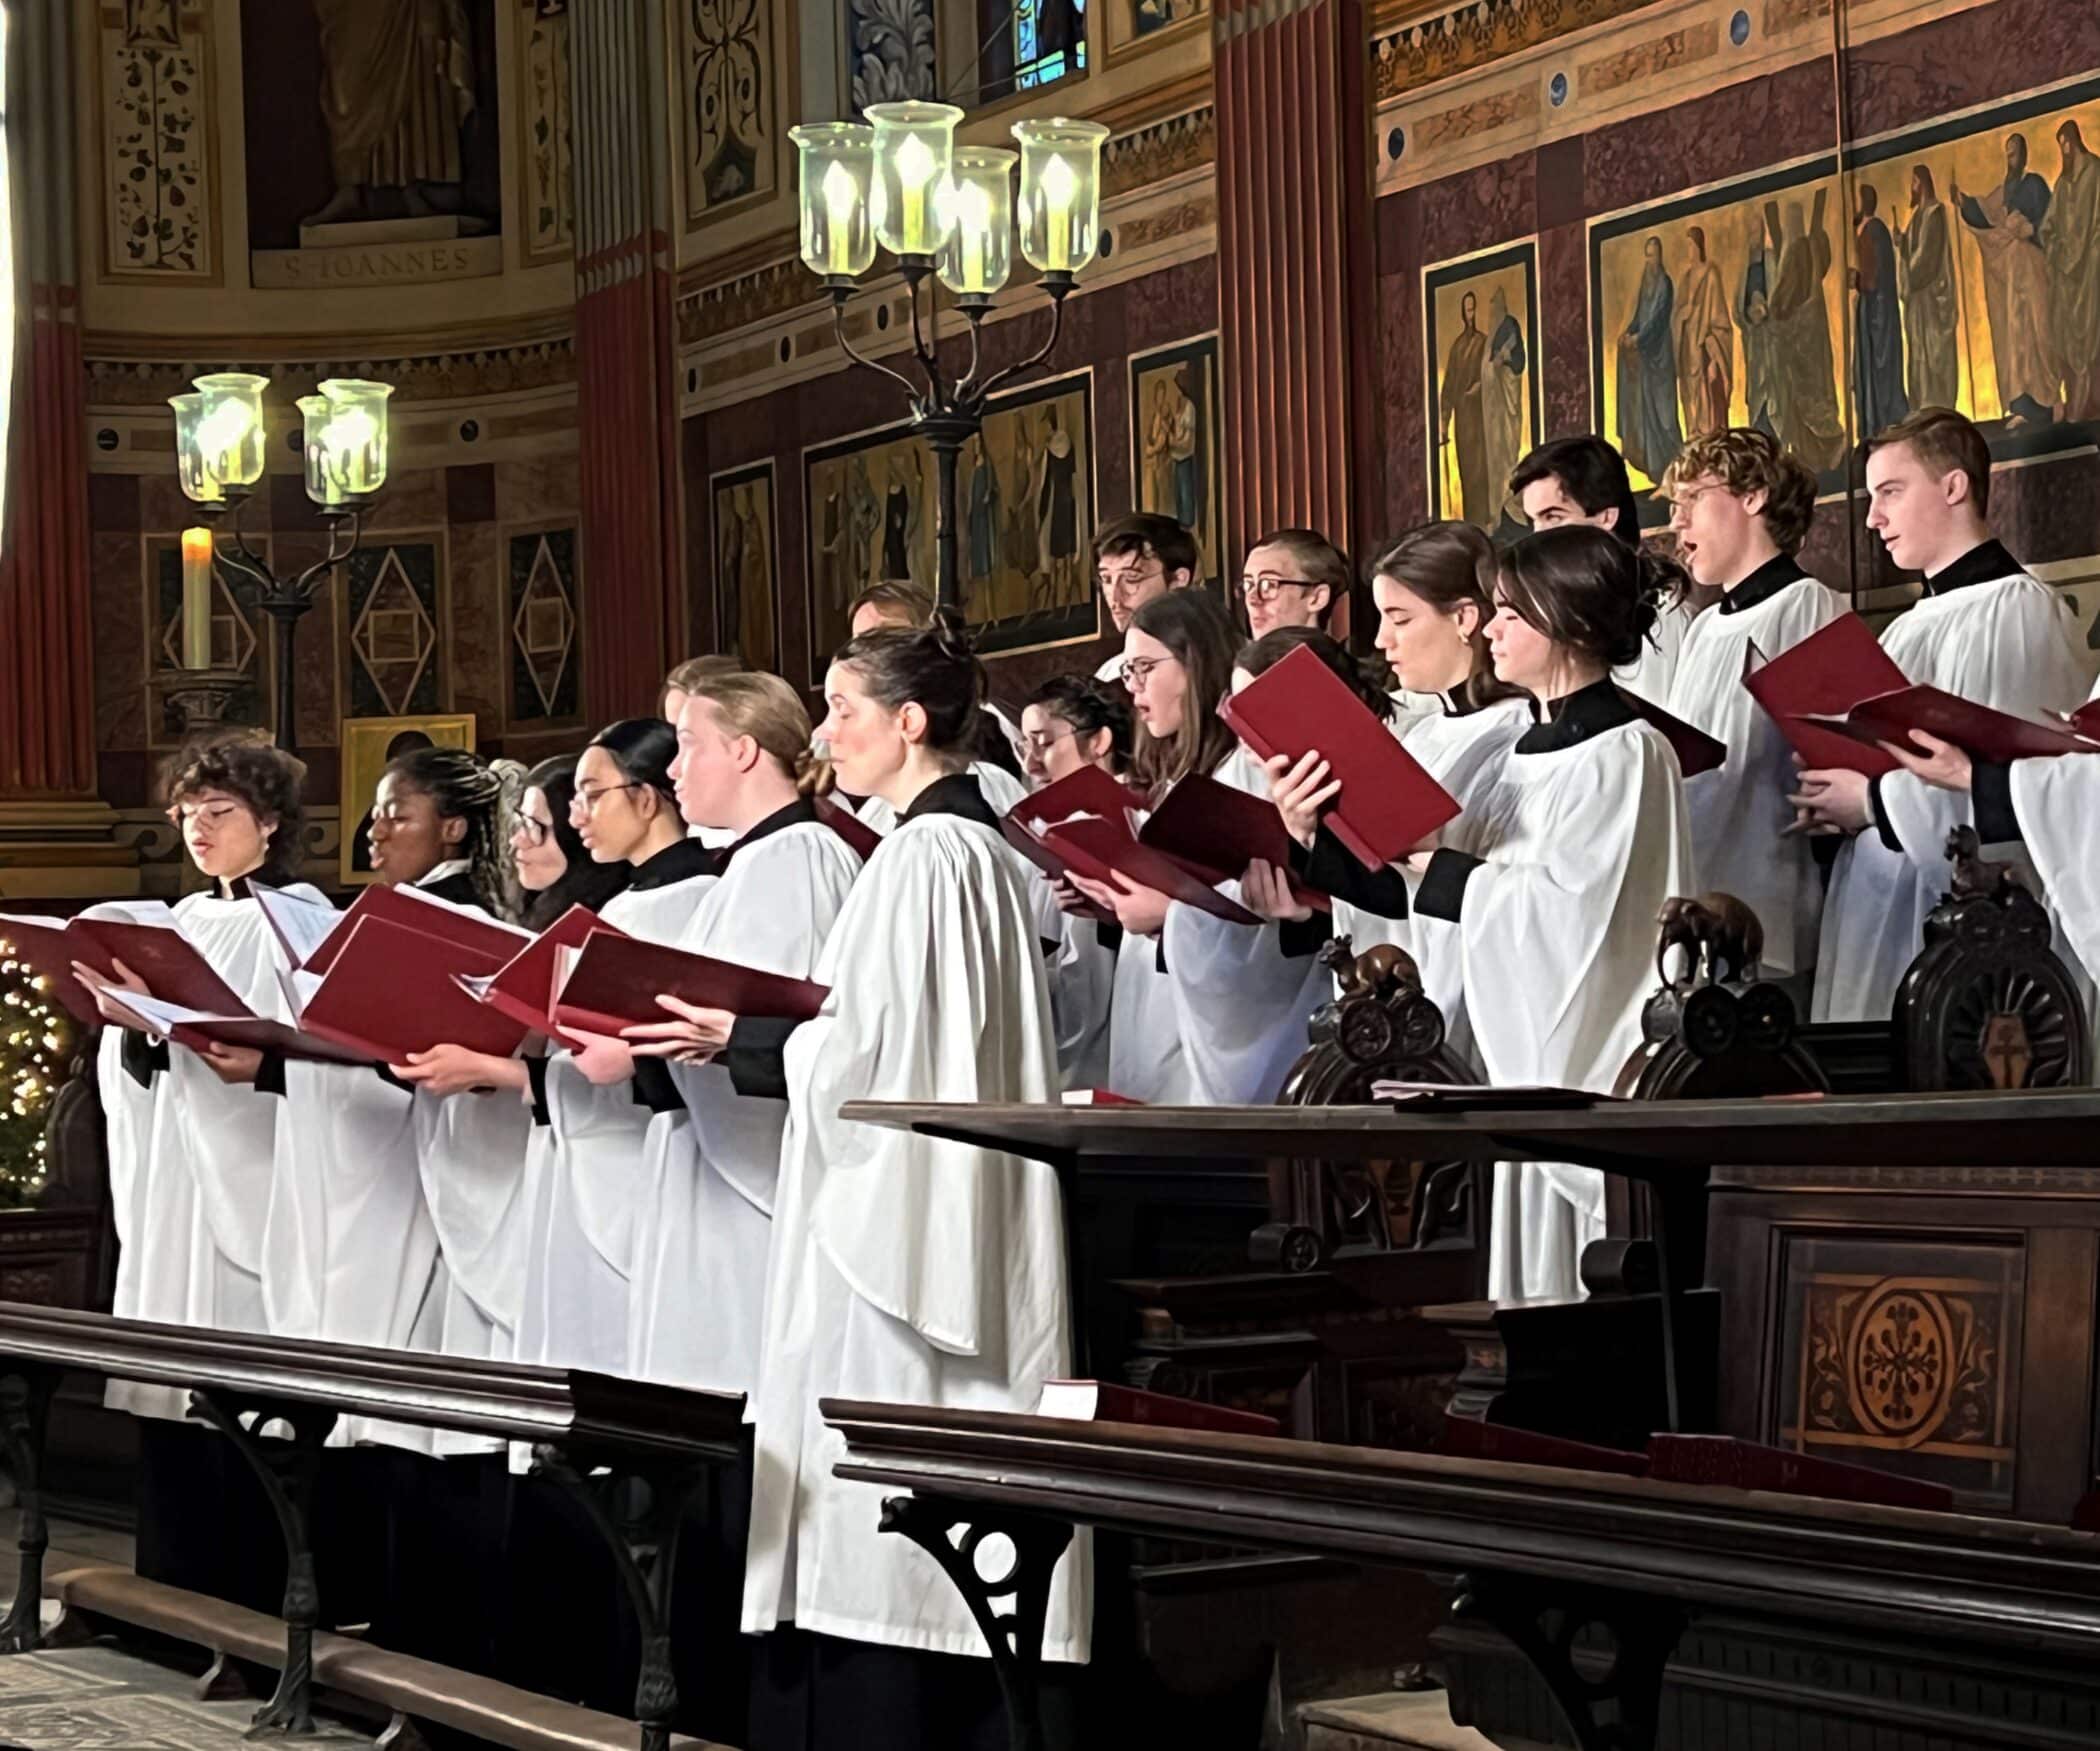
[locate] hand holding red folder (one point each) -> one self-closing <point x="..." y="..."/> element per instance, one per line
<point x="1215" y="831"/>
<point x="1984" y="734"/>
<point x="615" y="980"/>
<point x="1090" y="842"/>
<point x="1388" y="803"/>
<point x="1827" y="673"/>
<point x="523" y="987"/>
<point x="1087" y="792"/>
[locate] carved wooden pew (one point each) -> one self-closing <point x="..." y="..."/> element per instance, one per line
<point x="595" y="1435"/>
<point x="1594" y="1577"/>
<point x="2031" y="1142"/>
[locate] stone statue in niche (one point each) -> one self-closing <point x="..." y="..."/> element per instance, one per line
<point x="397" y="88"/>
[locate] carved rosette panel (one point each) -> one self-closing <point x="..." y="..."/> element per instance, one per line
<point x="1905" y="1358"/>
<point x="729" y="104"/>
<point x="546" y="158"/>
<point x="153" y="57"/>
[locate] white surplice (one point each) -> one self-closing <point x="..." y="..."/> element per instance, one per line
<point x="584" y="1180"/>
<point x="200" y="1191"/>
<point x="1739" y="810"/>
<point x="1082" y="974"/>
<point x="696" y="1305"/>
<point x="906" y="1269"/>
<point x="2057" y="805"/>
<point x="1240" y="1004"/>
<point x="1464" y="752"/>
<point x="1001" y="789"/>
<point x="2005" y="643"/>
<point x="1583" y="844"/>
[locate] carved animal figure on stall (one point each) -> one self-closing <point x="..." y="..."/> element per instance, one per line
<point x="1714" y="931"/>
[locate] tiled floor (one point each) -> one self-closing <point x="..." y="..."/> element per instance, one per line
<point x="102" y="1698"/>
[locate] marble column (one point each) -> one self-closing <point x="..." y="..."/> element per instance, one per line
<point x="1296" y="290"/>
<point x="626" y="354"/>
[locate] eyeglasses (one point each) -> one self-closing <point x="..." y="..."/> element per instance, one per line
<point x="1264" y="587"/>
<point x="1121" y="586"/>
<point x="534" y="831"/>
<point x="588" y="799"/>
<point x="1136" y="671"/>
<point x="210" y="814"/>
<point x="1041" y="742"/>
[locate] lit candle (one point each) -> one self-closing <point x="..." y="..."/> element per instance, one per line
<point x="1059" y="186"/>
<point x="220" y="435"/>
<point x="841" y="196"/>
<point x="915" y="169"/>
<point x="196" y="598"/>
<point x="974" y="216"/>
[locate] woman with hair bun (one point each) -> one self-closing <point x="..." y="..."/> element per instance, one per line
<point x="351" y="1250"/>
<point x="1072" y="721"/>
<point x="903" y="1268"/>
<point x="1434" y="592"/>
<point x="1571" y="856"/>
<point x="584" y="1171"/>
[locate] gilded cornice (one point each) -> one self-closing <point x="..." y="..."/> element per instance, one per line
<point x="765" y="291"/>
<point x="452" y="376"/>
<point x="1460" y="38"/>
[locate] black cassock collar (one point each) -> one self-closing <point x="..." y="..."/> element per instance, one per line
<point x="957" y="794"/>
<point x="675" y="863"/>
<point x="801" y="810"/>
<point x="1980" y="565"/>
<point x="1763" y="584"/>
<point x="1588" y="711"/>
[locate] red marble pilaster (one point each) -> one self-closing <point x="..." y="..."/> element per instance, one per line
<point x="1295" y="285"/>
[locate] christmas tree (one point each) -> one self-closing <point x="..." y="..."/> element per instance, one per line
<point x="36" y="1053"/>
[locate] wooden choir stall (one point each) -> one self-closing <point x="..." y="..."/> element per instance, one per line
<point x="1812" y="1462"/>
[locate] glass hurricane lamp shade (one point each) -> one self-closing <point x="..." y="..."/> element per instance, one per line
<point x="914" y="158"/>
<point x="1060" y="206"/>
<point x="837" y="163"/>
<point x="979" y="253"/>
<point x="230" y="431"/>
<point x="345" y="440"/>
<point x="197" y="485"/>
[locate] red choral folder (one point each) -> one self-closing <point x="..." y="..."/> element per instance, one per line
<point x="171" y="965"/>
<point x="1097" y="1401"/>
<point x="1090" y="842"/>
<point x="1089" y="791"/>
<point x="1828" y="672"/>
<point x="50" y="946"/>
<point x="523" y="987"/>
<point x="849" y="827"/>
<point x="1388" y="803"/>
<point x="247" y="1030"/>
<point x="1719" y="1460"/>
<point x="615" y="980"/>
<point x="1216" y="831"/>
<point x="1996" y="736"/>
<point x="1696" y="751"/>
<point x="487" y="938"/>
<point x="392" y="990"/>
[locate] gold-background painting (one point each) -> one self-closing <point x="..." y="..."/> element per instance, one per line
<point x="746" y="566"/>
<point x="2005" y="318"/>
<point x="1482" y="354"/>
<point x="1025" y="498"/>
<point x="1134" y="25"/>
<point x="1174" y="462"/>
<point x="367" y="744"/>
